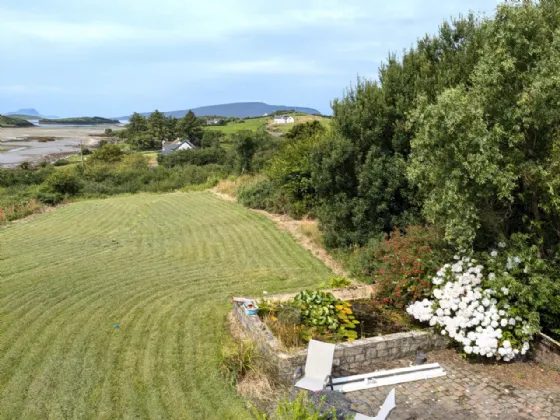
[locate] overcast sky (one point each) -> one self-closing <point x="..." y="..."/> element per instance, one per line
<point x="110" y="58"/>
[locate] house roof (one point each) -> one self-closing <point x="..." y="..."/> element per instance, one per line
<point x="282" y="117"/>
<point x="171" y="147"/>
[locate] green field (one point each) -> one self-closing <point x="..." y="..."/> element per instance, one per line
<point x="162" y="267"/>
<point x="250" y="124"/>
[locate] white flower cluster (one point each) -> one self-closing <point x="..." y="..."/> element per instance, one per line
<point x="468" y="313"/>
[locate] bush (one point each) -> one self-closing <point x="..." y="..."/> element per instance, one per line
<point x="300" y="408"/>
<point x="66" y="182"/>
<point x="470" y="307"/>
<point x="107" y="153"/>
<point x="239" y="359"/>
<point x="400" y="264"/>
<point x="61" y="162"/>
<point x="531" y="281"/>
<point x="197" y="157"/>
<point x="261" y="194"/>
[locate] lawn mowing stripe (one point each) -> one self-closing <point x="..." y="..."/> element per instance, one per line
<point x="163" y="266"/>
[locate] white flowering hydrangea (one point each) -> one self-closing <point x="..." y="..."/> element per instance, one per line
<point x="471" y="314"/>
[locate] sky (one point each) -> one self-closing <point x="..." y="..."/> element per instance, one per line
<point x="110" y="58"/>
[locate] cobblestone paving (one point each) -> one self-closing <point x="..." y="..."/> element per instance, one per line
<point x="462" y="395"/>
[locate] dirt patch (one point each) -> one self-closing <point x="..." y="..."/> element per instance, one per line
<point x="294" y="227"/>
<point x="378" y="320"/>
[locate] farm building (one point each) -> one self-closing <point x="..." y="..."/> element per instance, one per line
<point x="284" y="119"/>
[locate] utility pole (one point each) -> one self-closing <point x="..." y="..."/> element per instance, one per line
<point x="82" y="152"/>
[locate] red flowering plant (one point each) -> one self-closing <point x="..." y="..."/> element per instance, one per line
<point x="402" y="264"/>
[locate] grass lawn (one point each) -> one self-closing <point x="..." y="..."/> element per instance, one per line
<point x="162" y="267"/>
<point x="252" y="124"/>
<point x="300" y="119"/>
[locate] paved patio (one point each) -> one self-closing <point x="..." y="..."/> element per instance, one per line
<point x="516" y="391"/>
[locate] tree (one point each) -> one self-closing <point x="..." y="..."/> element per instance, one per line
<point x="170" y="128"/>
<point x="244" y="146"/>
<point x="212" y="138"/>
<point x="486" y="154"/>
<point x="107" y="153"/>
<point x="137" y="124"/>
<point x="157" y="127"/>
<point x="359" y="172"/>
<point x="191" y="128"/>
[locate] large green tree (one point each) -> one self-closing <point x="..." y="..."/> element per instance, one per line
<point x="191" y="127"/>
<point x="157" y="126"/>
<point x="486" y="154"/>
<point x="137" y="124"/>
<point x="359" y="173"/>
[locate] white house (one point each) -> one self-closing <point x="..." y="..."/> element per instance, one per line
<point x="173" y="147"/>
<point x="284" y="119"/>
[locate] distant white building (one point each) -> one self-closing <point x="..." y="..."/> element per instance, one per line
<point x="284" y="119"/>
<point x="214" y="121"/>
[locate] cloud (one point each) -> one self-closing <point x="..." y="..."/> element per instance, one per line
<point x="165" y="53"/>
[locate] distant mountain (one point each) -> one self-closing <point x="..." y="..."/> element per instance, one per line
<point x="25" y="111"/>
<point x="237" y="109"/>
<point x="29" y="113"/>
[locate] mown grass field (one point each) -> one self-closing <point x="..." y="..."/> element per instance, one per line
<point x="162" y="267"/>
<point x="251" y="124"/>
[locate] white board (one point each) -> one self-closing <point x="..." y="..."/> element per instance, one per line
<point x="387" y="377"/>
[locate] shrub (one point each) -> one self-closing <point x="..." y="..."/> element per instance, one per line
<point x="399" y="264"/>
<point x="239" y="359"/>
<point x="64" y="182"/>
<point x="532" y="282"/>
<point x="336" y="283"/>
<point x="197" y="157"/>
<point x="107" y="153"/>
<point x="300" y="408"/>
<point x="61" y="162"/>
<point x="261" y="194"/>
<point x="468" y="307"/>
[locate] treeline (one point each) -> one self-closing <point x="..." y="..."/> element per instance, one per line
<point x="148" y="133"/>
<point x="459" y="132"/>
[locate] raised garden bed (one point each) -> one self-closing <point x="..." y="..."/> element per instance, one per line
<point x="351" y="357"/>
<point x="372" y="321"/>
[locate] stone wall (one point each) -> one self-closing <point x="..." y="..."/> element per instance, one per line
<point x="353" y="357"/>
<point x="547" y="351"/>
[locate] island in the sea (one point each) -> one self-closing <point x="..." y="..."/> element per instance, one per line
<point x="8" y="121"/>
<point x="79" y="121"/>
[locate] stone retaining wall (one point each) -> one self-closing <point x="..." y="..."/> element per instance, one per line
<point x="353" y="357"/>
<point x="547" y="351"/>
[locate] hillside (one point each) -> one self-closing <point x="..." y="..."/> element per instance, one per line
<point x="6" y="121"/>
<point x="79" y="121"/>
<point x="237" y="109"/>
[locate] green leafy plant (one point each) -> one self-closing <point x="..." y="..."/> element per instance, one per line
<point x="300" y="408"/>
<point x="400" y="265"/>
<point x="336" y="283"/>
<point x="325" y="315"/>
<point x="238" y="359"/>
